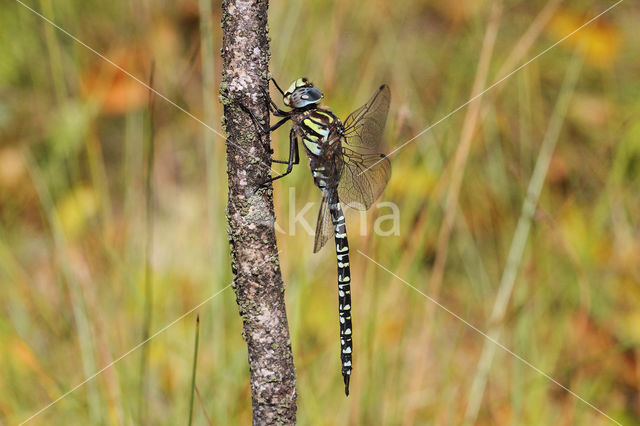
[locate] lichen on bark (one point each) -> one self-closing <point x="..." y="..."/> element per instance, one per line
<point x="258" y="282"/>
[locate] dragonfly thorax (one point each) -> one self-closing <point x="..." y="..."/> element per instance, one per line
<point x="319" y="131"/>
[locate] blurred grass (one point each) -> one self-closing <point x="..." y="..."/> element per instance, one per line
<point x="73" y="227"/>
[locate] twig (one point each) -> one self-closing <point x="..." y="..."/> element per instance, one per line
<point x="258" y="283"/>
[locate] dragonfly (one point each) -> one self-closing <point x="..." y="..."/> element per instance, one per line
<point x="347" y="165"/>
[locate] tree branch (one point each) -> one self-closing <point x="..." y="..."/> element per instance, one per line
<point x="258" y="283"/>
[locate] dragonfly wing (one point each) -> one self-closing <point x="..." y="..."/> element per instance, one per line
<point x="364" y="126"/>
<point x="363" y="178"/>
<point x="323" y="227"/>
<point x="365" y="171"/>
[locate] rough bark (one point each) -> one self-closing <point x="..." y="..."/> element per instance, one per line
<point x="257" y="280"/>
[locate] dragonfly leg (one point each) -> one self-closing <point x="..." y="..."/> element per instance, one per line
<point x="279" y="123"/>
<point x="277" y="111"/>
<point x="257" y="122"/>
<point x="273" y="107"/>
<point x="262" y="128"/>
<point x="294" y="158"/>
<point x="278" y="87"/>
<point x="293" y="146"/>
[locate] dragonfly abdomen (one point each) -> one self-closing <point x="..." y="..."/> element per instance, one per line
<point x="344" y="287"/>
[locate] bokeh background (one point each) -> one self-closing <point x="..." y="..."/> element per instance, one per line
<point x="89" y="268"/>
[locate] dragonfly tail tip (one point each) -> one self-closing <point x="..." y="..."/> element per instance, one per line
<point x="346" y="384"/>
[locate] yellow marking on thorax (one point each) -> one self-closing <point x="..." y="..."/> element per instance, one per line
<point x="319" y="129"/>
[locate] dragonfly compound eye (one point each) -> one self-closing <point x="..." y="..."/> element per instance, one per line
<point x="303" y="96"/>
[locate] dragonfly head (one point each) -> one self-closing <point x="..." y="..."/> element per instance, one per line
<point x="301" y="93"/>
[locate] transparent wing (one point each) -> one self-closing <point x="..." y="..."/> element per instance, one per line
<point x="364" y="126"/>
<point x="323" y="227"/>
<point x="363" y="178"/>
<point x="365" y="170"/>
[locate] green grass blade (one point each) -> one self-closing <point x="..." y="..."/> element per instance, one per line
<point x="193" y="369"/>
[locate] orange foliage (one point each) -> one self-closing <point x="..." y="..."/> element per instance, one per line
<point x="116" y="92"/>
<point x="599" y="41"/>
